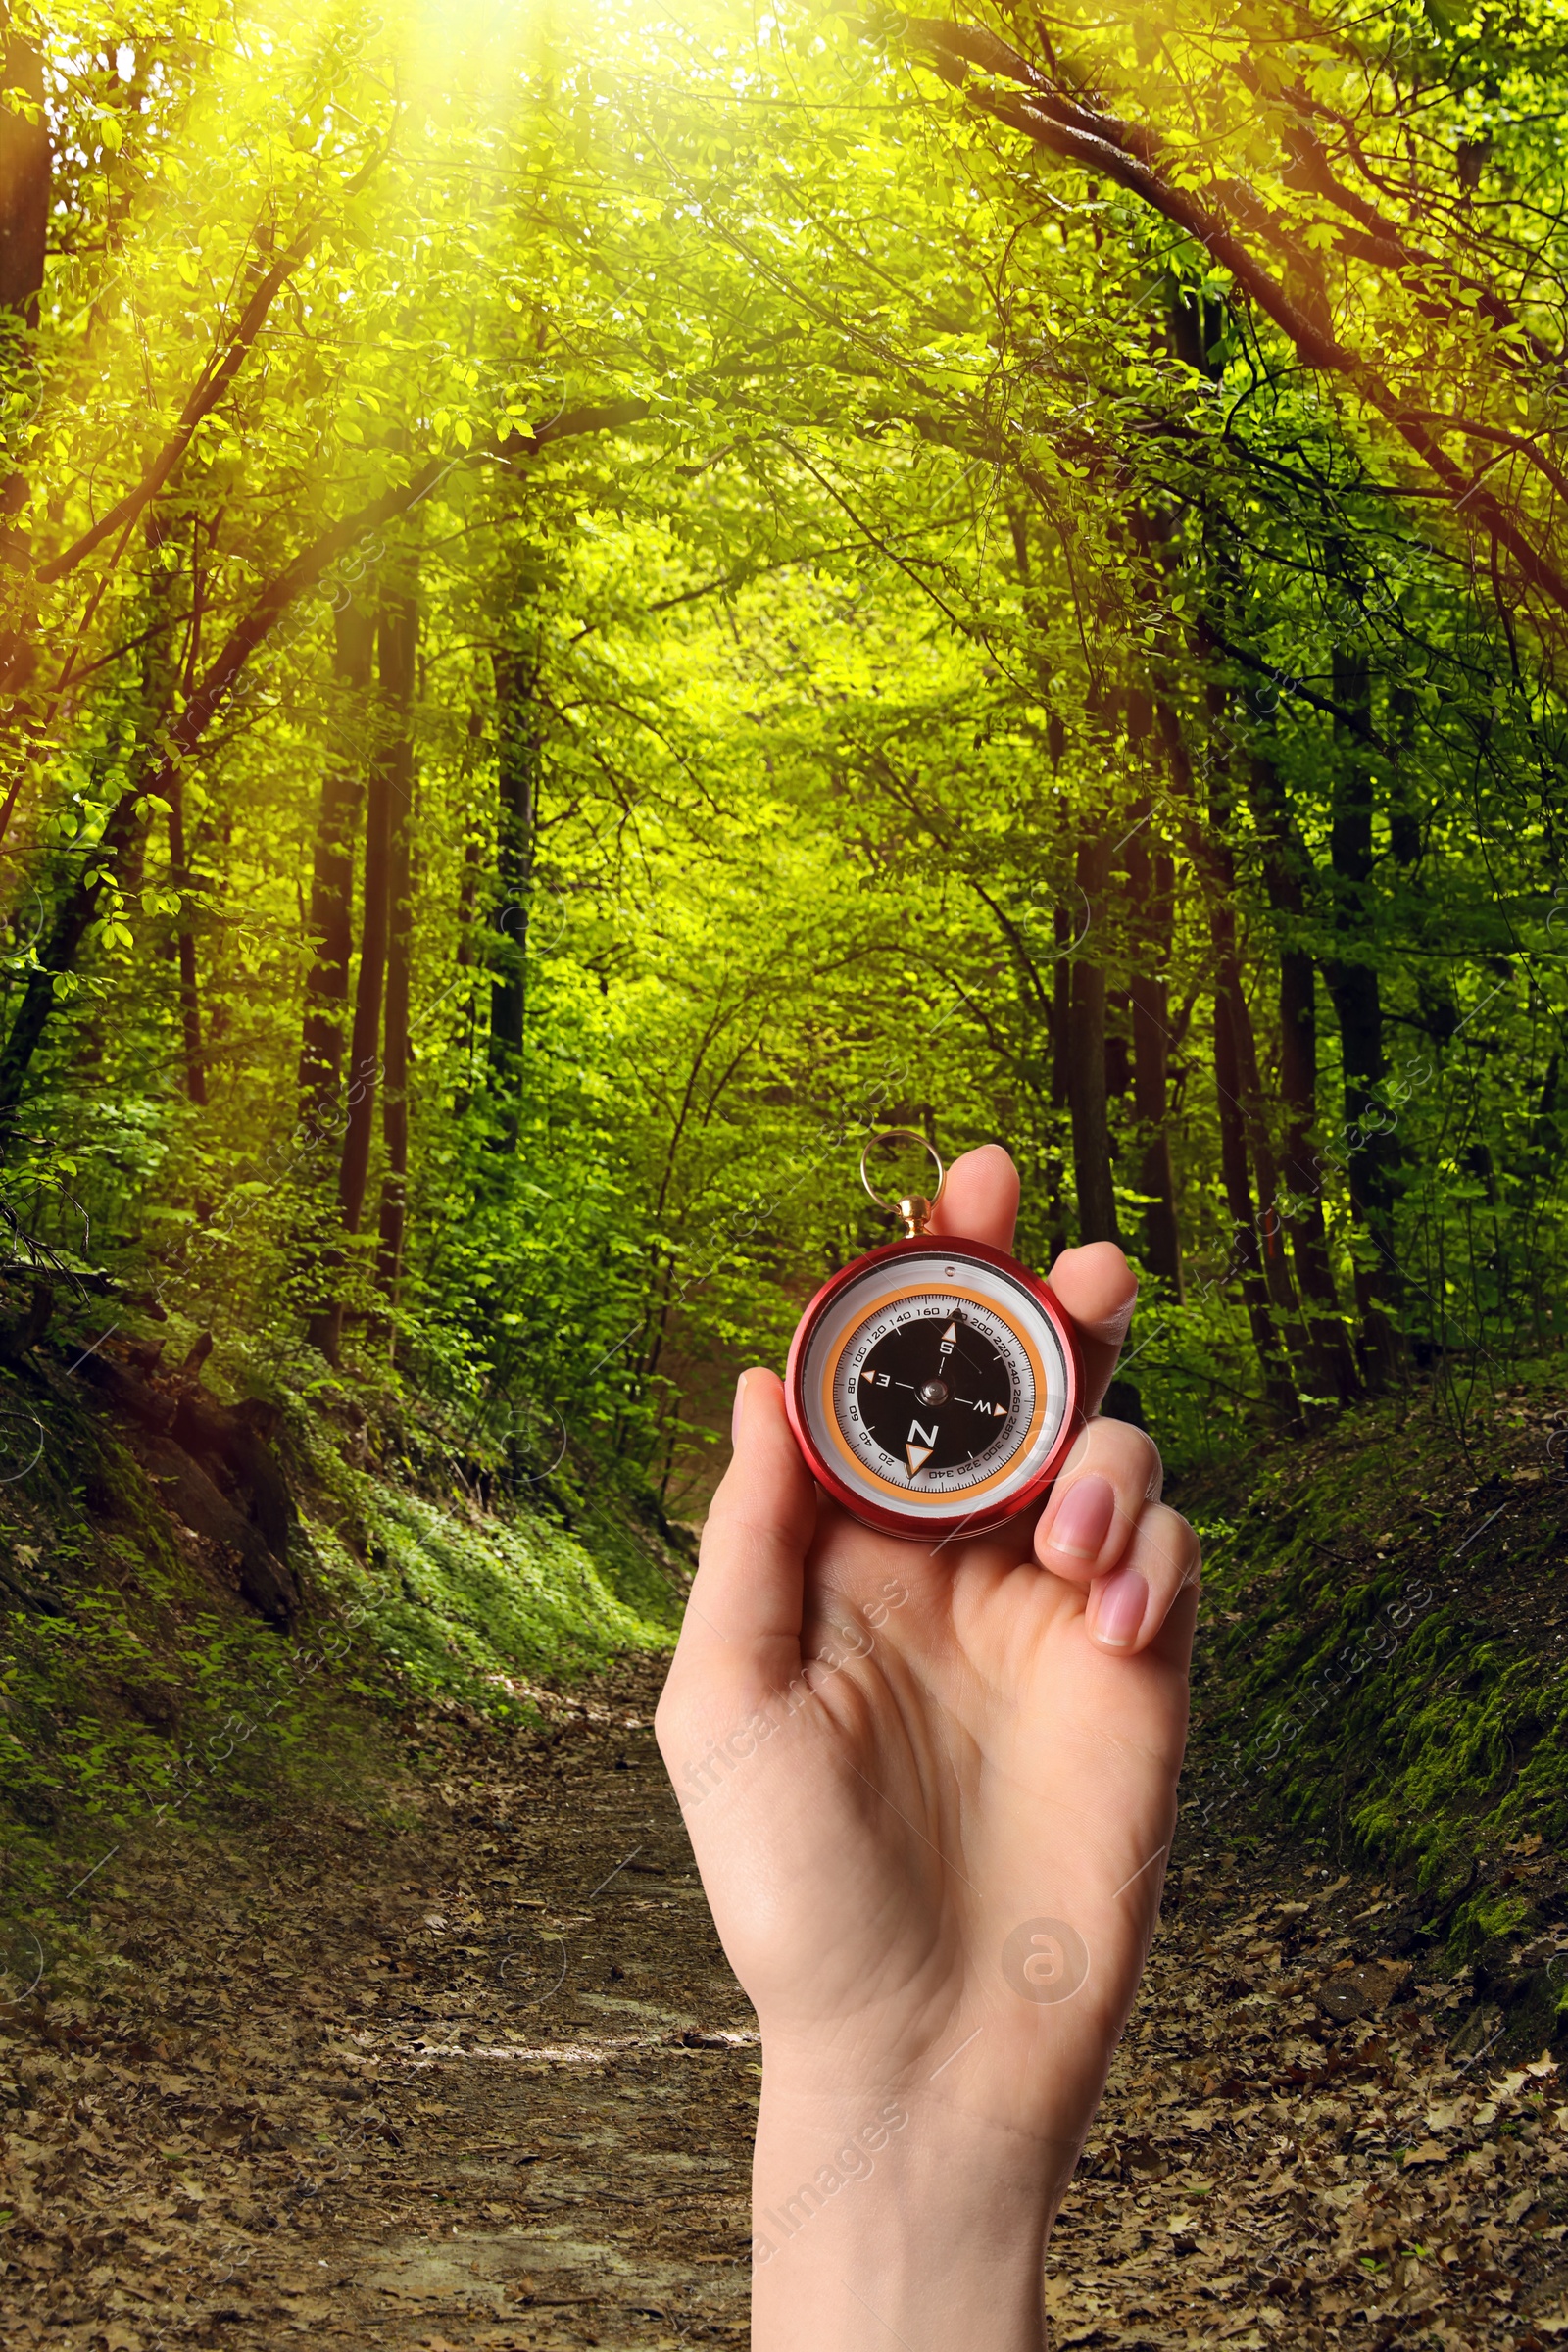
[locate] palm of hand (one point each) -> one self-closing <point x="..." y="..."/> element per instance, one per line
<point x="930" y="1809"/>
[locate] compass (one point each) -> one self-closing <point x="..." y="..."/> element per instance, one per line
<point x="933" y="1385"/>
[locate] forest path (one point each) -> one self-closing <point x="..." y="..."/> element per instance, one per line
<point x="491" y="2084"/>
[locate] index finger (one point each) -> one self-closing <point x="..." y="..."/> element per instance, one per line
<point x="1099" y="1289"/>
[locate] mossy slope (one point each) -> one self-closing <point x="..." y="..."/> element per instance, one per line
<point x="1383" y="1666"/>
<point x="134" y="1685"/>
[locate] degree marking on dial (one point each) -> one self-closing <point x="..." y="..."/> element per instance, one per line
<point x="868" y="1435"/>
<point x="923" y="1438"/>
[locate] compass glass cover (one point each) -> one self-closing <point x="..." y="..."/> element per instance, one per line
<point x="934" y="1386"/>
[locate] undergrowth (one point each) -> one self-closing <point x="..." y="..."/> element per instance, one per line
<point x="136" y="1693"/>
<point x="1384" y="1665"/>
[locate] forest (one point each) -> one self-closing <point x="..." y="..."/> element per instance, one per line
<point x="597" y="604"/>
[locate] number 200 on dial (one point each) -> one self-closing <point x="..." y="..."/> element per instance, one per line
<point x="933" y="1387"/>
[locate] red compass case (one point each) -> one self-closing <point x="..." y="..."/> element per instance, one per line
<point x="933" y="1385"/>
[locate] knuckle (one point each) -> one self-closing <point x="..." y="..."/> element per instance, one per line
<point x="1173" y="1542"/>
<point x="1154" y="1469"/>
<point x="1127" y="1453"/>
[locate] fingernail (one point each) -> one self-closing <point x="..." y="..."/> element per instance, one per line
<point x="1083" y="1518"/>
<point x="1117" y="1609"/>
<point x="735" y="1414"/>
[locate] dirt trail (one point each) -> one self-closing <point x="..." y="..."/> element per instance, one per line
<point x="490" y="2083"/>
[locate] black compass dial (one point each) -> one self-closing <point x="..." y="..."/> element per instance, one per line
<point x="935" y="1393"/>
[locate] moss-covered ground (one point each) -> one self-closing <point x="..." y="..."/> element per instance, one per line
<point x="1383" y="1671"/>
<point x="136" y="1687"/>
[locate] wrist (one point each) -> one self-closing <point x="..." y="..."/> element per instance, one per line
<point x="880" y="2198"/>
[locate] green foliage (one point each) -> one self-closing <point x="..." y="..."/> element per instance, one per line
<point x="468" y="1610"/>
<point x="880" y="581"/>
<point x="136" y="1697"/>
<point x="1387" y="1670"/>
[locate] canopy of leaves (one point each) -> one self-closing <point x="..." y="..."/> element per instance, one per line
<point x="596" y="606"/>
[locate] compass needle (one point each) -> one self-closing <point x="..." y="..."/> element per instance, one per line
<point x="898" y="1333"/>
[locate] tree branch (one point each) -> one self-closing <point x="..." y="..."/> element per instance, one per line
<point x="205" y="395"/>
<point x="1099" y="143"/>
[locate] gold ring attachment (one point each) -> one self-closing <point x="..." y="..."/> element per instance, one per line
<point x="914" y="1210"/>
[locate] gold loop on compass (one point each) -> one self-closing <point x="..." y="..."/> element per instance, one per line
<point x="914" y="1210"/>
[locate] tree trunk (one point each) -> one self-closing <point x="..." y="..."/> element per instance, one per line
<point x="516" y="773"/>
<point x="119" y="843"/>
<point x="1152" y="881"/>
<point x="1118" y="1044"/>
<point x="1242" y="1113"/>
<point x="117" y="863"/>
<point x="160" y="675"/>
<point x="25" y="183"/>
<point x="1277" y="1384"/>
<point x="1217" y="868"/>
<point x="389" y="767"/>
<point x="180" y="875"/>
<point x="400" y="929"/>
<point x="468" y="952"/>
<point x="27" y="167"/>
<point x="467" y="905"/>
<point x="1091" y="1123"/>
<point x="326" y="989"/>
<point x="1062" y="1014"/>
<point x="366" y="1037"/>
<point x="1250" y="1104"/>
<point x="1285" y="862"/>
<point x="1357" y="1003"/>
<point x="190" y="1006"/>
<point x="74" y="914"/>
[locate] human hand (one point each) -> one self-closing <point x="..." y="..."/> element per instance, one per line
<point x="930" y="1794"/>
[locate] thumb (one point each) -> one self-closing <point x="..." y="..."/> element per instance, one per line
<point x="745" y="1603"/>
